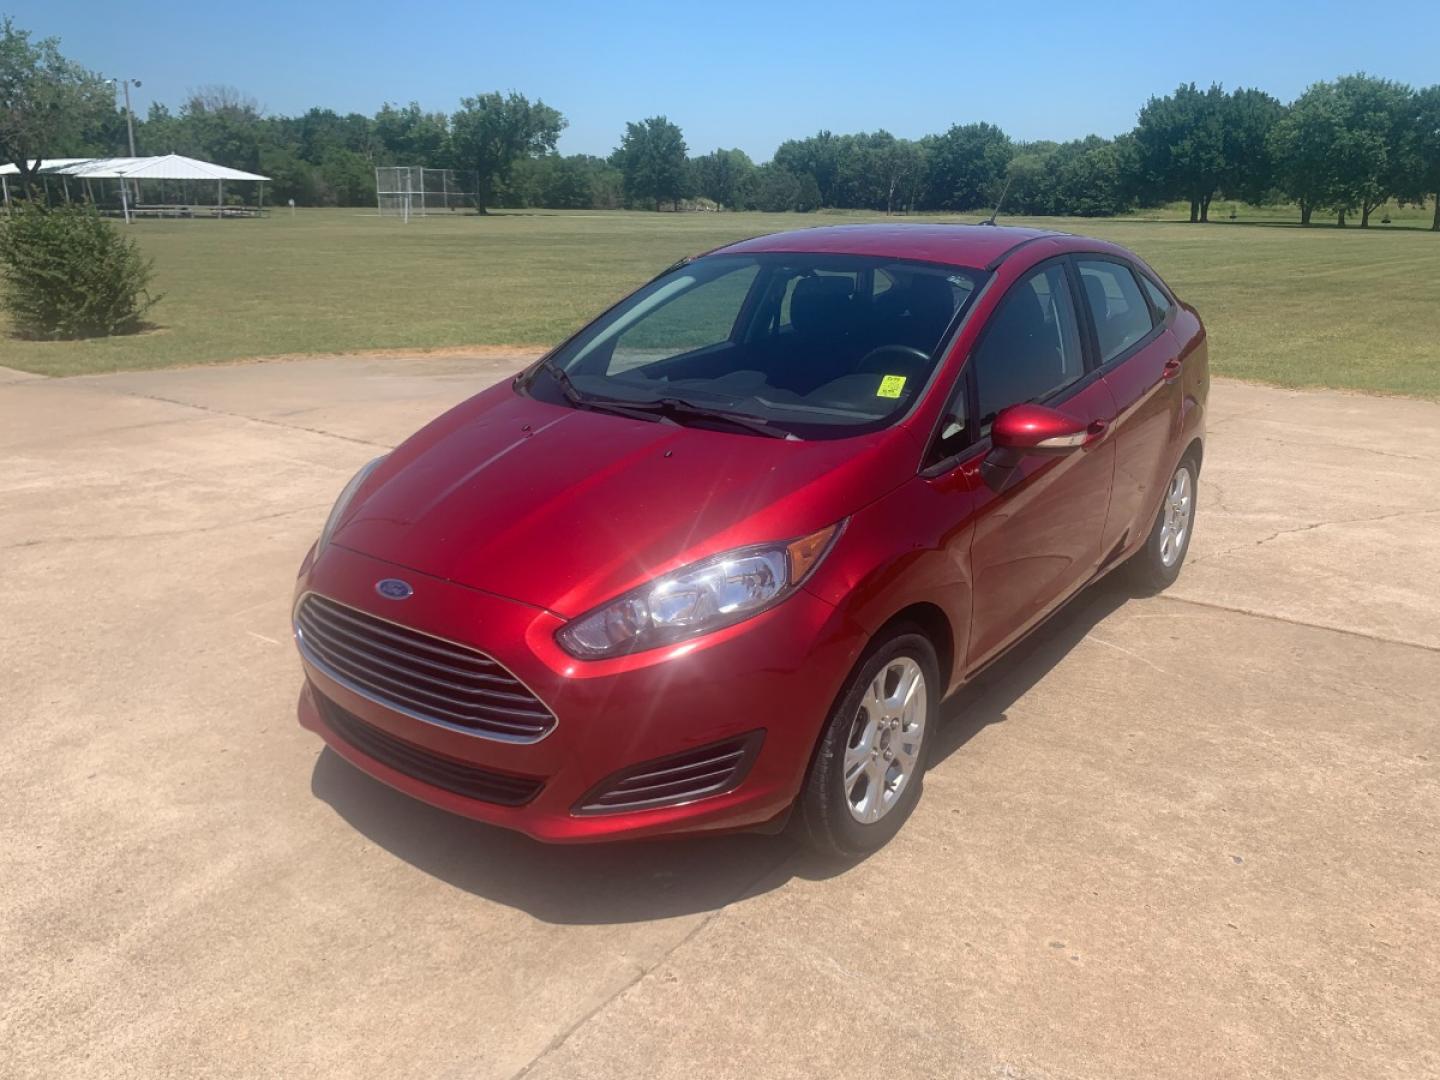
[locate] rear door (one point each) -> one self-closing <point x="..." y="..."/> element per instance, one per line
<point x="1038" y="522"/>
<point x="1129" y="318"/>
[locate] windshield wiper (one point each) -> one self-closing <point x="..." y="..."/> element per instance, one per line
<point x="680" y="406"/>
<point x="580" y="401"/>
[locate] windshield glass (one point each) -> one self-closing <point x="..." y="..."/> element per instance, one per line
<point x="822" y="346"/>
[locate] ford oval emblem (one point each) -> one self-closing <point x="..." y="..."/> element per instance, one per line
<point x="394" y="589"/>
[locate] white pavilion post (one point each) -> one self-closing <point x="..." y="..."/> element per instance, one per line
<point x="125" y="200"/>
<point x="5" y="186"/>
<point x="220" y="199"/>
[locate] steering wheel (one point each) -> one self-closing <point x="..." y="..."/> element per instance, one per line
<point x="911" y="353"/>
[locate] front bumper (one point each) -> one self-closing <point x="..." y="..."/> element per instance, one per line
<point x="777" y="673"/>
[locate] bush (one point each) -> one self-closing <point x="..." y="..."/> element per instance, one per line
<point x="68" y="273"/>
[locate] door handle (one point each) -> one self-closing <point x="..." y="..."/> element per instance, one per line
<point x="1172" y="369"/>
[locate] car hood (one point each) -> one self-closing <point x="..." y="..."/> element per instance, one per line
<point x="565" y="508"/>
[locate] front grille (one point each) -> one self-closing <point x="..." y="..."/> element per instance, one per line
<point x="679" y="778"/>
<point x="427" y="678"/>
<point x="435" y="769"/>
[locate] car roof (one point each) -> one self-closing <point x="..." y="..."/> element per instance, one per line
<point x="975" y="246"/>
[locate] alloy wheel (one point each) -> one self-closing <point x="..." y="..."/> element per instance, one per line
<point x="882" y="754"/>
<point x="1175" y="527"/>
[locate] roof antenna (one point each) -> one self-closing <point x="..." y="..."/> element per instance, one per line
<point x="998" y="202"/>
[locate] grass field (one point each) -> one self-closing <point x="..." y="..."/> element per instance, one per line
<point x="1314" y="307"/>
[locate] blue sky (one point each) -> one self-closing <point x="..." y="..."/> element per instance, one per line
<point x="740" y="73"/>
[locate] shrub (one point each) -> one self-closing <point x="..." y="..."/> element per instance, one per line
<point x="68" y="273"/>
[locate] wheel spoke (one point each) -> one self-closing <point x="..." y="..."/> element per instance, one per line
<point x="858" y="756"/>
<point x="875" y="791"/>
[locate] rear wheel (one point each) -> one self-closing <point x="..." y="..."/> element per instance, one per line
<point x="868" y="770"/>
<point x="1157" y="564"/>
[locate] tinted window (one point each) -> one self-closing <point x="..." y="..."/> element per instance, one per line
<point x="818" y="345"/>
<point x="1031" y="345"/>
<point x="690" y="321"/>
<point x="951" y="438"/>
<point x="1157" y="296"/>
<point x="1121" y="315"/>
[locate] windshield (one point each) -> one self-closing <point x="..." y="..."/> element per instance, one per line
<point x="821" y="346"/>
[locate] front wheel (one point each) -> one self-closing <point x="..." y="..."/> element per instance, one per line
<point x="1157" y="564"/>
<point x="868" y="770"/>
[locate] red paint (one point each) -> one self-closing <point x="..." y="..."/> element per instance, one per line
<point x="509" y="516"/>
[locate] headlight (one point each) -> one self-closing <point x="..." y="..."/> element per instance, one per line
<point x="338" y="510"/>
<point x="698" y="598"/>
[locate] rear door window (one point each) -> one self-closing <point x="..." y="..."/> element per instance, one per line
<point x="1117" y="307"/>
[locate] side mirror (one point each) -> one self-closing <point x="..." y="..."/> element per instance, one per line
<point x="1034" y="429"/>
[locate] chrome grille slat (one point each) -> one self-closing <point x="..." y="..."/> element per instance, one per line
<point x="316" y="614"/>
<point x="375" y="625"/>
<point x="679" y="772"/>
<point x="415" y="698"/>
<point x="427" y="678"/>
<point x="693" y="774"/>
<point x="690" y="785"/>
<point x="363" y="655"/>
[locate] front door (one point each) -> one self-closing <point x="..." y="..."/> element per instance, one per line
<point x="1038" y="520"/>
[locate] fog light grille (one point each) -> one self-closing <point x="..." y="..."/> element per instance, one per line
<point x="679" y="778"/>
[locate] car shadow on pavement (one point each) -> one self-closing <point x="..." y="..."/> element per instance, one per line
<point x="987" y="697"/>
<point x="637" y="881"/>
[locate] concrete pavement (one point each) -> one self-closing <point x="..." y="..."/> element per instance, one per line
<point x="1191" y="835"/>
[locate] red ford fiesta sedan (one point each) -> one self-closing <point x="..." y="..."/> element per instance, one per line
<point x="715" y="561"/>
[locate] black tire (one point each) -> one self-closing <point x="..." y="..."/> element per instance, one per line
<point x="1147" y="569"/>
<point x="823" y="818"/>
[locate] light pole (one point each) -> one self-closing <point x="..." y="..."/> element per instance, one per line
<point x="129" y="128"/>
<point x="129" y="113"/>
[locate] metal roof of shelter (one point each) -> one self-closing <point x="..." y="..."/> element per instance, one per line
<point x="167" y="167"/>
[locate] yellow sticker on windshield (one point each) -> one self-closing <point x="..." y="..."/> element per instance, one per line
<point x="890" y="386"/>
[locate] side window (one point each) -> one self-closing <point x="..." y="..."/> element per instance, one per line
<point x="697" y="317"/>
<point x="1158" y="299"/>
<point x="1031" y="345"/>
<point x="951" y="439"/>
<point x="1120" y="313"/>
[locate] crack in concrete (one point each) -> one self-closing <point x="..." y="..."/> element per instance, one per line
<point x="1310" y="528"/>
<point x="121" y="392"/>
<point x="559" y="1040"/>
<point x="162" y="532"/>
<point x="260" y="420"/>
<point x="1366" y="634"/>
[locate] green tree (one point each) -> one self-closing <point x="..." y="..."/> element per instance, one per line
<point x="48" y="104"/>
<point x="1302" y="147"/>
<point x="1376" y="118"/>
<point x="967" y="166"/>
<point x="651" y="156"/>
<point x="223" y="125"/>
<point x="900" y="165"/>
<point x="1248" y="172"/>
<point x="1427" y="148"/>
<point x="723" y="177"/>
<point x="1181" y="144"/>
<point x="411" y="136"/>
<point x="490" y="132"/>
<point x="817" y="157"/>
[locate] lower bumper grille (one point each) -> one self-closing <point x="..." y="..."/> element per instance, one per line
<point x="452" y="775"/>
<point x="679" y="778"/>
